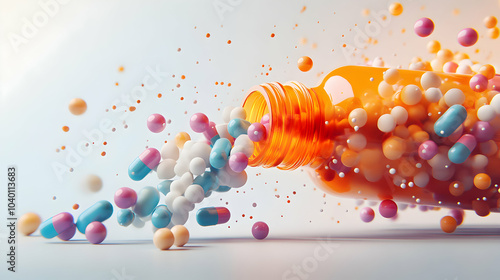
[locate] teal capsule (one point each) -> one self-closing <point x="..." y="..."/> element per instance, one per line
<point x="220" y="153"/>
<point x="161" y="216"/>
<point x="208" y="181"/>
<point x="125" y="217"/>
<point x="211" y="216"/>
<point x="164" y="187"/>
<point x="100" y="212"/>
<point x="236" y="127"/>
<point x="147" y="200"/>
<point x="450" y="120"/>
<point x="223" y="189"/>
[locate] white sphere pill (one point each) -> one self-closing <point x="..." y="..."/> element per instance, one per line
<point x="385" y="90"/>
<point x="411" y="95"/>
<point x="195" y="193"/>
<point x="165" y="170"/>
<point x="238" y="113"/>
<point x="357" y="142"/>
<point x="182" y="204"/>
<point x="169" y="150"/>
<point x="386" y="123"/>
<point x="391" y="76"/>
<point x="430" y="79"/>
<point x="495" y="103"/>
<point x="202" y="150"/>
<point x="180" y="218"/>
<point x="181" y="167"/>
<point x="197" y="166"/>
<point x="486" y="113"/>
<point x="226" y="113"/>
<point x="464" y="69"/>
<point x="187" y="178"/>
<point x="169" y="199"/>
<point x="238" y="179"/>
<point x="454" y="96"/>
<point x="358" y="117"/>
<point x="178" y="186"/>
<point x="433" y="94"/>
<point x="223" y="132"/>
<point x="243" y="144"/>
<point x="400" y="114"/>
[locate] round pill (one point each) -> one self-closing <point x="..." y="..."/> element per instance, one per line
<point x="450" y="67"/>
<point x="77" y="106"/>
<point x="125" y="197"/>
<point x="199" y="122"/>
<point x="358" y="117"/>
<point x="400" y="115"/>
<point x="467" y="37"/>
<point x="411" y="95"/>
<point x="181" y="235"/>
<point x="486" y="113"/>
<point x="430" y="79"/>
<point x="260" y="230"/>
<point x="163" y="239"/>
<point x="482" y="181"/>
<point x="304" y="63"/>
<point x="29" y="223"/>
<point x="367" y="214"/>
<point x="433" y="94"/>
<point x="478" y="83"/>
<point x="156" y="123"/>
<point x="388" y="208"/>
<point x="181" y="138"/>
<point x="93" y="183"/>
<point x="169" y="150"/>
<point x="454" y="96"/>
<point x="68" y="234"/>
<point x="257" y="132"/>
<point x="448" y="224"/>
<point x="238" y="162"/>
<point x="490" y="21"/>
<point x="95" y="232"/>
<point x="391" y="76"/>
<point x="458" y="215"/>
<point x="238" y="113"/>
<point x="424" y="27"/>
<point x="386" y="123"/>
<point x="395" y="8"/>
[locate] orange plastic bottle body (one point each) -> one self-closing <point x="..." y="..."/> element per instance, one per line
<point x="312" y="127"/>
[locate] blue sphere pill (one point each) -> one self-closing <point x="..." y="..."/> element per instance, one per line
<point x="100" y="212"/>
<point x="147" y="200"/>
<point x="161" y="216"/>
<point x="237" y="127"/>
<point x="125" y="217"/>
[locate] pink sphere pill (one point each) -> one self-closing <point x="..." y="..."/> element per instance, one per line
<point x="260" y="230"/>
<point x="478" y="83"/>
<point x="427" y="150"/>
<point x="388" y="208"/>
<point x="483" y="131"/>
<point x="125" y="197"/>
<point x="238" y="162"/>
<point x="424" y="27"/>
<point x="265" y="119"/>
<point x="256" y="132"/>
<point x="95" y="232"/>
<point x="156" y="123"/>
<point x="199" y="122"/>
<point x="367" y="214"/>
<point x="467" y="37"/>
<point x="450" y="67"/>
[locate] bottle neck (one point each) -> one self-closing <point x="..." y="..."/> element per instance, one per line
<point x="301" y="125"/>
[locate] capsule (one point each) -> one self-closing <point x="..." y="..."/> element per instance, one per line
<point x="208" y="181"/>
<point x="462" y="148"/>
<point x="147" y="200"/>
<point x="56" y="225"/>
<point x="164" y="187"/>
<point x="220" y="153"/>
<point x="450" y="120"/>
<point x="211" y="216"/>
<point x="223" y="189"/>
<point x="101" y="211"/>
<point x="143" y="164"/>
<point x="125" y="217"/>
<point x="211" y="133"/>
<point x="236" y="127"/>
<point x="68" y="234"/>
<point x="161" y="216"/>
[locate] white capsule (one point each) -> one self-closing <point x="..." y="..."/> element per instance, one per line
<point x="454" y="96"/>
<point x="238" y="113"/>
<point x="197" y="166"/>
<point x="195" y="193"/>
<point x="433" y="94"/>
<point x="169" y="150"/>
<point x="486" y="113"/>
<point x="165" y="170"/>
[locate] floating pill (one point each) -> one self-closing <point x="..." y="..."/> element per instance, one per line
<point x="236" y="127"/>
<point x="367" y="214"/>
<point x="156" y="123"/>
<point x="238" y="162"/>
<point x="462" y="149"/>
<point x="478" y="83"/>
<point x="67" y="234"/>
<point x="194" y="193"/>
<point x="238" y="113"/>
<point x="29" y="223"/>
<point x="125" y="217"/>
<point x="100" y="212"/>
<point x="212" y="216"/>
<point x="257" y="132"/>
<point x="220" y="153"/>
<point x="388" y="208"/>
<point x="199" y="122"/>
<point x="483" y="131"/>
<point x="147" y="200"/>
<point x="208" y="181"/>
<point x="450" y="120"/>
<point x="211" y="133"/>
<point x="95" y="232"/>
<point x="125" y="197"/>
<point x="467" y="37"/>
<point x="427" y="150"/>
<point x="424" y="27"/>
<point x="223" y="189"/>
<point x="56" y="225"/>
<point x="164" y="186"/>
<point x="161" y="216"/>
<point x="143" y="164"/>
<point x="448" y="224"/>
<point x="260" y="230"/>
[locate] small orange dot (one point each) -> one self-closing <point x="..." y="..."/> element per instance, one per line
<point x="116" y="84"/>
<point x="221" y="83"/>
<point x="63" y="147"/>
<point x="344" y="45"/>
<point x="132" y="108"/>
<point x="103" y="153"/>
<point x="228" y="42"/>
<point x="228" y="84"/>
<point x="105" y="143"/>
<point x="65" y="128"/>
<point x="182" y="98"/>
<point x="138" y="102"/>
<point x="208" y="35"/>
<point x="216" y="83"/>
<point x="183" y="77"/>
<point x="272" y="35"/>
<point x="159" y="95"/>
<point x="114" y="107"/>
<point x="76" y="206"/>
<point x="121" y="68"/>
<point x="243" y="215"/>
<point x="288" y="201"/>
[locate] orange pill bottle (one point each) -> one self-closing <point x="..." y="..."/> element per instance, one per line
<point x="312" y="127"/>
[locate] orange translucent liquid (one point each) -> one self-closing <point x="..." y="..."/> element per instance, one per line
<point x="309" y="128"/>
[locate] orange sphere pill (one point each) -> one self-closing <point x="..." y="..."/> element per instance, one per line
<point x="181" y="138"/>
<point x="490" y="21"/>
<point x="65" y="128"/>
<point x="482" y="181"/>
<point x="396" y="9"/>
<point x="28" y="223"/>
<point x="456" y="188"/>
<point x="433" y="46"/>
<point x="481" y="208"/>
<point x="349" y="158"/>
<point x="393" y="148"/>
<point x="448" y="224"/>
<point x="493" y="32"/>
<point x="488" y="71"/>
<point x="305" y="63"/>
<point x="163" y="239"/>
<point x="77" y="106"/>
